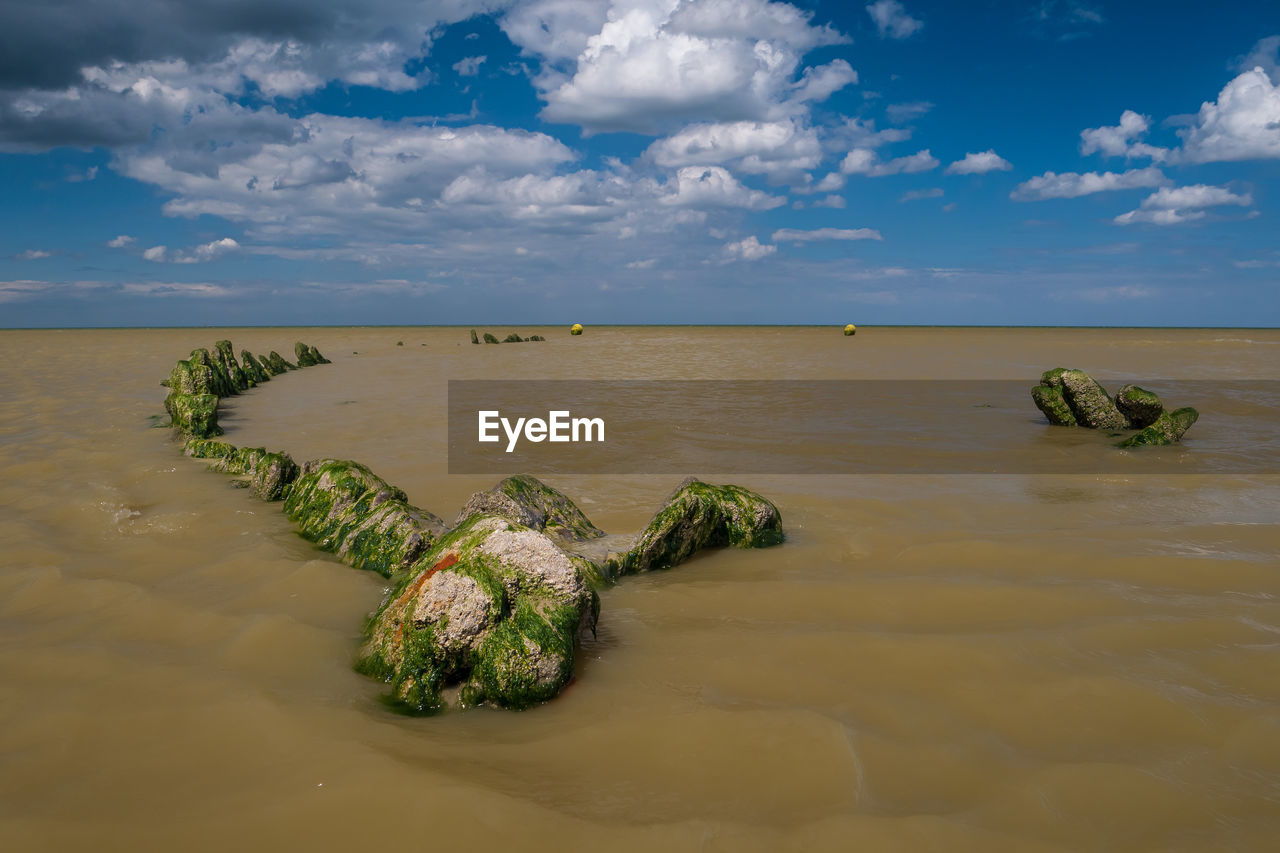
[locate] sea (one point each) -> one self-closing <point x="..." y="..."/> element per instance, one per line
<point x="940" y="657"/>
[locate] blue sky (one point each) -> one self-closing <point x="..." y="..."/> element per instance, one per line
<point x="639" y="161"/>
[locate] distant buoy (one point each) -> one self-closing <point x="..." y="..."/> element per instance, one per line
<point x="575" y="329"/>
<point x="850" y="329"/>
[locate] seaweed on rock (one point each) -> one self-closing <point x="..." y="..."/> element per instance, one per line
<point x="1074" y="398"/>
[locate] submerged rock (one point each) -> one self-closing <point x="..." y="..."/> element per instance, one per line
<point x="224" y="354"/>
<point x="491" y="339"/>
<point x="494" y="608"/>
<point x="1140" y="407"/>
<point x="530" y="502"/>
<point x="1049" y="400"/>
<point x="255" y="371"/>
<point x="513" y="338"/>
<point x="307" y="355"/>
<point x="270" y="474"/>
<point x="1089" y="401"/>
<point x="277" y="363"/>
<point x="345" y="508"/>
<point x="535" y="338"/>
<point x="1168" y="428"/>
<point x="1073" y="397"/>
<point x="194" y="414"/>
<point x="699" y="515"/>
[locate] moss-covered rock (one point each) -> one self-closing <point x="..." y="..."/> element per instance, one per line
<point x="1049" y="400"/>
<point x="194" y="414"/>
<point x="1139" y="406"/>
<point x="529" y="502"/>
<point x="513" y="338"/>
<point x="1089" y="401"/>
<point x="224" y="354"/>
<point x="475" y="339"/>
<point x="699" y="515"/>
<point x="316" y="356"/>
<point x="1167" y="429"/>
<point x="1053" y="378"/>
<point x="269" y="474"/>
<point x="535" y="338"/>
<point x="223" y="384"/>
<point x="494" y="608"/>
<point x="253" y="368"/>
<point x="491" y="339"/>
<point x="302" y="354"/>
<point x="277" y="363"/>
<point x="345" y="508"/>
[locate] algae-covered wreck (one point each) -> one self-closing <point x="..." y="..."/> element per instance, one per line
<point x="1074" y="398"/>
<point x="490" y="609"/>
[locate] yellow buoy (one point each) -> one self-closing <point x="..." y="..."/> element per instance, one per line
<point x="575" y="329"/>
<point x="850" y="329"/>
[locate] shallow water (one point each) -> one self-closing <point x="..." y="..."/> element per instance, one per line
<point x="931" y="662"/>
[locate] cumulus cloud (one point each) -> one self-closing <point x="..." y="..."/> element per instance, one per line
<point x="1122" y="139"/>
<point x="713" y="186"/>
<point x="792" y="235"/>
<point x="197" y="255"/>
<point x="1242" y="124"/>
<point x="833" y="201"/>
<point x="1265" y="55"/>
<point x="120" y="242"/>
<point x="753" y="147"/>
<point x="1175" y="205"/>
<point x="979" y="164"/>
<point x="903" y="113"/>
<point x="750" y="249"/>
<point x="864" y="161"/>
<point x="654" y="62"/>
<point x="892" y="20"/>
<point x="32" y="255"/>
<point x="1076" y="184"/>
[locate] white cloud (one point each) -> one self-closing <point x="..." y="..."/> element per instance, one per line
<point x="199" y="254"/>
<point x="979" y="164"/>
<point x="903" y="113"/>
<point x="752" y="147"/>
<point x="749" y="249"/>
<point x="892" y="20"/>
<point x="1265" y="55"/>
<point x="915" y="195"/>
<point x="32" y="255"/>
<point x="864" y="161"/>
<point x="1122" y="139"/>
<point x="1242" y="124"/>
<point x="1175" y="205"/>
<point x="120" y="242"/>
<point x="792" y="235"/>
<point x="470" y="66"/>
<point x="1075" y="184"/>
<point x="833" y="201"/>
<point x="713" y="186"/>
<point x="658" y="61"/>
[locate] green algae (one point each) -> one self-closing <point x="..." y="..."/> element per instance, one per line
<point x="1049" y="400"/>
<point x="1168" y="428"/>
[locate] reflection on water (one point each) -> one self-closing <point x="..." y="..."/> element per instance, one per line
<point x="962" y="662"/>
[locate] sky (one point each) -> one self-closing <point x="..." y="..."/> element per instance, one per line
<point x="336" y="162"/>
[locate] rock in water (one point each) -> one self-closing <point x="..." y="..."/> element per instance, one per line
<point x="316" y="356"/>
<point x="303" y="355"/>
<point x="226" y="356"/>
<point x="1089" y="401"/>
<point x="1049" y="400"/>
<point x="223" y="384"/>
<point x="278" y="364"/>
<point x="474" y="338"/>
<point x="1167" y="429"/>
<point x="270" y="474"/>
<point x="194" y="414"/>
<point x="256" y="371"/>
<point x="1139" y="406"/>
<point x="494" y="607"/>
<point x="491" y="339"/>
<point x="530" y="502"/>
<point x="345" y="508"/>
<point x="513" y="338"/>
<point x="698" y="516"/>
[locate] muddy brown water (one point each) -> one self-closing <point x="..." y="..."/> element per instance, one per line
<point x="950" y="662"/>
